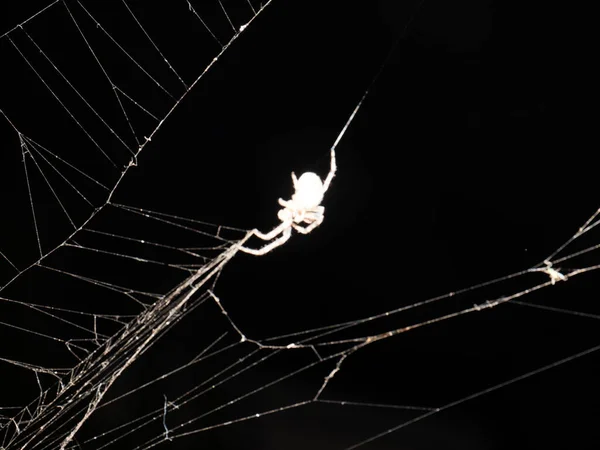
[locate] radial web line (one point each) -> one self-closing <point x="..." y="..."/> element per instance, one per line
<point x="37" y="147"/>
<point x="61" y="102"/>
<point x="128" y="97"/>
<point x="24" y="153"/>
<point x="59" y="173"/>
<point x="126" y="53"/>
<point x="83" y="99"/>
<point x="251" y="7"/>
<point x="55" y="195"/>
<point x="8" y="261"/>
<point x="154" y="45"/>
<point x="30" y="18"/>
<point x="112" y="85"/>
<point x="227" y="15"/>
<point x="191" y="8"/>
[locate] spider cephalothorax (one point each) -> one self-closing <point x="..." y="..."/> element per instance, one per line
<point x="303" y="212"/>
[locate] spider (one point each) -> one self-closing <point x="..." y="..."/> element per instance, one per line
<point x="303" y="212"/>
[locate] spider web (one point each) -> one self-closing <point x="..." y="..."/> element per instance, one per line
<point x="125" y="321"/>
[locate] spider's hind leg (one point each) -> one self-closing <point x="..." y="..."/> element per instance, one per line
<point x="274" y="232"/>
<point x="267" y="248"/>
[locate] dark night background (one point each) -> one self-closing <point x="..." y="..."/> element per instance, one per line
<point x="471" y="158"/>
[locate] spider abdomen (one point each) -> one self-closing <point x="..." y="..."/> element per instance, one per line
<point x="309" y="191"/>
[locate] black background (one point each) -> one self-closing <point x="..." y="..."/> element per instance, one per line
<point x="471" y="158"/>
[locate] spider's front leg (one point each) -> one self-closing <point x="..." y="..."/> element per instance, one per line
<point x="332" y="171"/>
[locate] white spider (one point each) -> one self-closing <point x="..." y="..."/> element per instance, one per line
<point x="554" y="274"/>
<point x="302" y="213"/>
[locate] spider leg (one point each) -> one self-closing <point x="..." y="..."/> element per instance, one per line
<point x="274" y="232"/>
<point x="310" y="215"/>
<point x="284" y="203"/>
<point x="331" y="173"/>
<point x="309" y="228"/>
<point x="285" y="235"/>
